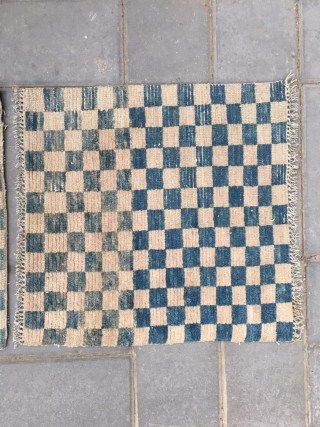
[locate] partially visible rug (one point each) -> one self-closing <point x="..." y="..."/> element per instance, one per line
<point x="3" y="245"/>
<point x="157" y="214"/>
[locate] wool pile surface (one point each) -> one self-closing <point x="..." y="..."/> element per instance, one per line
<point x="156" y="214"/>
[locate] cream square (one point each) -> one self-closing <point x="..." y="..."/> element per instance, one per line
<point x="169" y="95"/>
<point x="155" y="158"/>
<point x="153" y="116"/>
<point x="188" y="156"/>
<point x="201" y="93"/>
<point x="233" y="93"/>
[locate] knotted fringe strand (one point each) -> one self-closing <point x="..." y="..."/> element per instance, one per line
<point x="293" y="217"/>
<point x="21" y="208"/>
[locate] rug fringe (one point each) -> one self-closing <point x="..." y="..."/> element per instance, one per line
<point x="21" y="204"/>
<point x="293" y="215"/>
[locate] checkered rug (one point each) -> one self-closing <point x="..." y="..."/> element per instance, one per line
<point x="155" y="214"/>
<point x="3" y="245"/>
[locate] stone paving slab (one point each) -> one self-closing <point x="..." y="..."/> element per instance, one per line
<point x="311" y="40"/>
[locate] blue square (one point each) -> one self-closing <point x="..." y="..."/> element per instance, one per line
<point x="239" y="314"/>
<point x="248" y="95"/>
<point x="54" y="181"/>
<point x="89" y="98"/>
<point x="120" y="96"/>
<point x="107" y="159"/>
<point x="154" y="179"/>
<point x="224" y="295"/>
<point x="250" y="176"/>
<point x="249" y="134"/>
<point x="158" y="334"/>
<point x="175" y="316"/>
<point x="93" y="222"/>
<point x="277" y="91"/>
<point x="93" y="261"/>
<point x="72" y="120"/>
<point x="175" y="277"/>
<point x="155" y="220"/>
<point x="252" y="256"/>
<point x="278" y="174"/>
<point x="56" y="262"/>
<point x="35" y="282"/>
<point x="137" y="117"/>
<point x="205" y="197"/>
<point x="125" y="338"/>
<point x="53" y="140"/>
<point x="109" y="201"/>
<point x="234" y="114"/>
<point x="253" y="333"/>
<point x="105" y="119"/>
<point x="122" y="138"/>
<point x="154" y="137"/>
<point x="189" y="218"/>
<point x="56" y="223"/>
<point x="238" y="236"/>
<point x="34" y="319"/>
<point x="140" y="240"/>
<point x="235" y="155"/>
<point x="34" y="161"/>
<point x="172" y="198"/>
<point x="221" y="217"/>
<point x="124" y="179"/>
<point x="188" y="177"/>
<point x="110" y="241"/>
<point x="253" y="295"/>
<point x="207" y="237"/>
<point x="284" y="331"/>
<point x="266" y="235"/>
<point x="284" y="292"/>
<point x="187" y="136"/>
<point x="34" y="203"/>
<point x="91" y="180"/>
<point x="236" y="196"/>
<point x="217" y="93"/>
<point x="33" y="121"/>
<point x="264" y="195"/>
<point x="110" y="319"/>
<point x="267" y="274"/>
<point x="139" y="200"/>
<point x="223" y="256"/>
<point x="192" y="332"/>
<point x="224" y="332"/>
<point x="278" y="133"/>
<point x="191" y="257"/>
<point x="2" y="220"/>
<point x="74" y="161"/>
<point x="203" y="115"/>
<point x="220" y="176"/>
<point x="208" y="314"/>
<point x="76" y="242"/>
<point x="158" y="298"/>
<point x="170" y="116"/>
<point x="219" y="135"/>
<point x="110" y="281"/>
<point x="264" y="113"/>
<point x="141" y="279"/>
<point x="264" y="154"/>
<point x="204" y="156"/>
<point x="92" y="337"/>
<point x="75" y="202"/>
<point x="126" y="300"/>
<point x="185" y="94"/>
<point x="174" y="239"/>
<point x="192" y="296"/>
<point x="139" y="158"/>
<point x="152" y="96"/>
<point x="268" y="313"/>
<point x="157" y="259"/>
<point x="53" y="99"/>
<point x="280" y="214"/>
<point x="73" y="319"/>
<point x="142" y="317"/>
<point x="282" y="254"/>
<point x="251" y="215"/>
<point x="34" y="242"/>
<point x="238" y="276"/>
<point x="208" y="276"/>
<point x="90" y="139"/>
<point x="171" y="157"/>
<point x="124" y="220"/>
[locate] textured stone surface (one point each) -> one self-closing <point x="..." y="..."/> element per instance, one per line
<point x="265" y="385"/>
<point x="314" y="358"/>
<point x="311" y="40"/>
<point x="313" y="275"/>
<point x="178" y="385"/>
